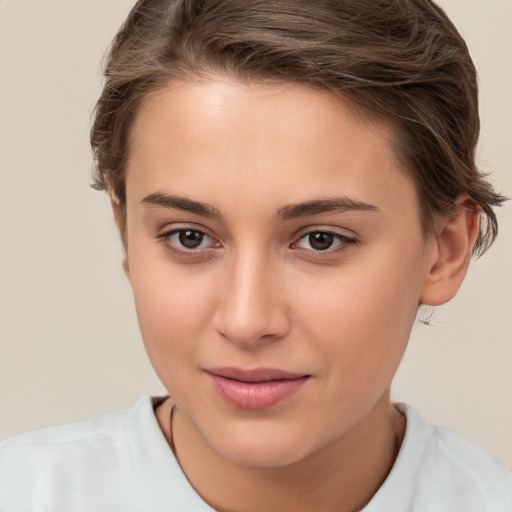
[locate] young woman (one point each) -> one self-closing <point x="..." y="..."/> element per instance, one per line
<point x="291" y="181"/>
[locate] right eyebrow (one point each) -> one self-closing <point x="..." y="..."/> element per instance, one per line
<point x="182" y="203"/>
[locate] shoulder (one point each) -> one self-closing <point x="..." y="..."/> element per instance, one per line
<point x="463" y="467"/>
<point x="118" y="462"/>
<point x="64" y="437"/>
<point x="438" y="469"/>
<point x="42" y="463"/>
<point x="461" y="455"/>
<point x="453" y="469"/>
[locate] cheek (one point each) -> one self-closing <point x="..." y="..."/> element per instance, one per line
<point x="362" y="317"/>
<point x="173" y="311"/>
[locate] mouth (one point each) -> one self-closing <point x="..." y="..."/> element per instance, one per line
<point x="256" y="389"/>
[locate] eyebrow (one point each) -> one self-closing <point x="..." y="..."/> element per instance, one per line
<point x="330" y="205"/>
<point x="293" y="211"/>
<point x="183" y="203"/>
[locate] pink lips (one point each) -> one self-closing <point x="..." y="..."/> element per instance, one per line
<point x="255" y="389"/>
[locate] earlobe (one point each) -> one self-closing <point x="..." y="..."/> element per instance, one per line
<point x="451" y="253"/>
<point x="116" y="210"/>
<point x="115" y="204"/>
<point x="126" y="267"/>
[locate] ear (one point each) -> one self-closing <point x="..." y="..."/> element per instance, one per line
<point x="116" y="209"/>
<point x="451" y="253"/>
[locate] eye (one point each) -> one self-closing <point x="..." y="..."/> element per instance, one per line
<point x="187" y="240"/>
<point x="323" y="241"/>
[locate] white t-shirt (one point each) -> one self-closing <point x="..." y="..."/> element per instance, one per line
<point x="121" y="462"/>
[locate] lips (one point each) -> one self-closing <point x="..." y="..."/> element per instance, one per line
<point x="256" y="389"/>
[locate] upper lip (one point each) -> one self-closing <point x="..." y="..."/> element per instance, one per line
<point x="254" y="375"/>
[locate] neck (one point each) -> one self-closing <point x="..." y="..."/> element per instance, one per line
<point x="342" y="476"/>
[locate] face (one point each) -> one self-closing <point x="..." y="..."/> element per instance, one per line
<point x="276" y="259"/>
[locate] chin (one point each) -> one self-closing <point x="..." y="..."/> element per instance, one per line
<point x="260" y="450"/>
<point x="266" y="457"/>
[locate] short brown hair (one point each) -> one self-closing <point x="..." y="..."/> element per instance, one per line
<point x="402" y="60"/>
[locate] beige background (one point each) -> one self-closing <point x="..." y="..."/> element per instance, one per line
<point x="69" y="343"/>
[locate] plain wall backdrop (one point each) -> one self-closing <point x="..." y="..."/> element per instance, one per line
<point x="69" y="342"/>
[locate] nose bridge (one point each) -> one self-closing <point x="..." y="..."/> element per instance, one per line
<point x="251" y="308"/>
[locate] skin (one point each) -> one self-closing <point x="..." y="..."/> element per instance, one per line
<point x="258" y="294"/>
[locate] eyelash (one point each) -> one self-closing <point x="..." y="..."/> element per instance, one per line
<point x="345" y="242"/>
<point x="165" y="239"/>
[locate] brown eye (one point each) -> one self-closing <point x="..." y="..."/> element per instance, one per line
<point x="320" y="241"/>
<point x="324" y="241"/>
<point x="190" y="239"/>
<point x="185" y="242"/>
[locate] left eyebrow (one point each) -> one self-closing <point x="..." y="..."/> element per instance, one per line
<point x="318" y="206"/>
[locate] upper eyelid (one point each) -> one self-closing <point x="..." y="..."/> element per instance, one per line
<point x="345" y="242"/>
<point x="164" y="239"/>
<point x="327" y="231"/>
<point x="342" y="238"/>
<point x="167" y="231"/>
<point x="341" y="232"/>
<point x="296" y="237"/>
<point x="173" y="231"/>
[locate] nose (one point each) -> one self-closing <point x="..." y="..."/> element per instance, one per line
<point x="252" y="306"/>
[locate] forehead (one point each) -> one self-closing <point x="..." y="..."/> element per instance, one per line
<point x="207" y="136"/>
<point x="291" y="110"/>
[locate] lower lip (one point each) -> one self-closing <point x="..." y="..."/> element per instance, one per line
<point x="256" y="395"/>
